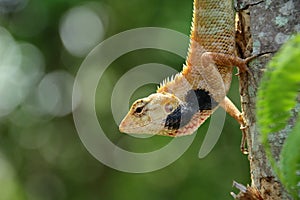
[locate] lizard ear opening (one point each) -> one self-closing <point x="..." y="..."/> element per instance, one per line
<point x="169" y="108"/>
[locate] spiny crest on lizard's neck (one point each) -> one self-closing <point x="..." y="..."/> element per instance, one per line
<point x="173" y="84"/>
<point x="166" y="82"/>
<point x="178" y="84"/>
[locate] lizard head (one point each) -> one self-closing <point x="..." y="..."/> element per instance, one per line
<point x="149" y="115"/>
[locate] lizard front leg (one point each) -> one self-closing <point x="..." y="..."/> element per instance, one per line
<point x="228" y="60"/>
<point x="233" y="111"/>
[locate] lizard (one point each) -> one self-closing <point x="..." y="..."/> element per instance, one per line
<point x="182" y="103"/>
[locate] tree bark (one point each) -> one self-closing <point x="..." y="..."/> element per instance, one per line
<point x="270" y="23"/>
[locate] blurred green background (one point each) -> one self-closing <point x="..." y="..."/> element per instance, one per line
<point x="42" y="45"/>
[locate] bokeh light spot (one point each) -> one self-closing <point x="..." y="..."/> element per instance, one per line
<point x="21" y="66"/>
<point x="30" y="20"/>
<point x="10" y="59"/>
<point x="54" y="93"/>
<point x="10" y="6"/>
<point x="81" y="29"/>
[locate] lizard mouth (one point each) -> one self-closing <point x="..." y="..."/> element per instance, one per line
<point x="125" y="125"/>
<point x="122" y="127"/>
<point x="131" y="126"/>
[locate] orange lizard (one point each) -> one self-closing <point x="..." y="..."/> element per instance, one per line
<point x="183" y="103"/>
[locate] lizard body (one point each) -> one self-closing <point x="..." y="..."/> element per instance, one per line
<point x="182" y="104"/>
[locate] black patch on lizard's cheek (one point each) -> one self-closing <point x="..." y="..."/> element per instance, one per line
<point x="173" y="119"/>
<point x="200" y="99"/>
<point x="196" y="100"/>
<point x="180" y="117"/>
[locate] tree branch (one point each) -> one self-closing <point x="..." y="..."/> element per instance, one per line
<point x="272" y="23"/>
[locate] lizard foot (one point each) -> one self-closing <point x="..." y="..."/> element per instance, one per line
<point x="244" y="67"/>
<point x="245" y="62"/>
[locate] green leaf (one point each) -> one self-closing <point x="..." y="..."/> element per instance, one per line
<point x="279" y="88"/>
<point x="276" y="98"/>
<point x="290" y="162"/>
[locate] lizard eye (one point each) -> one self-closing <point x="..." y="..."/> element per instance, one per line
<point x="168" y="108"/>
<point x="139" y="109"/>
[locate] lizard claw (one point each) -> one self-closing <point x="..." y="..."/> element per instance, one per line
<point x="243" y="146"/>
<point x="244" y="126"/>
